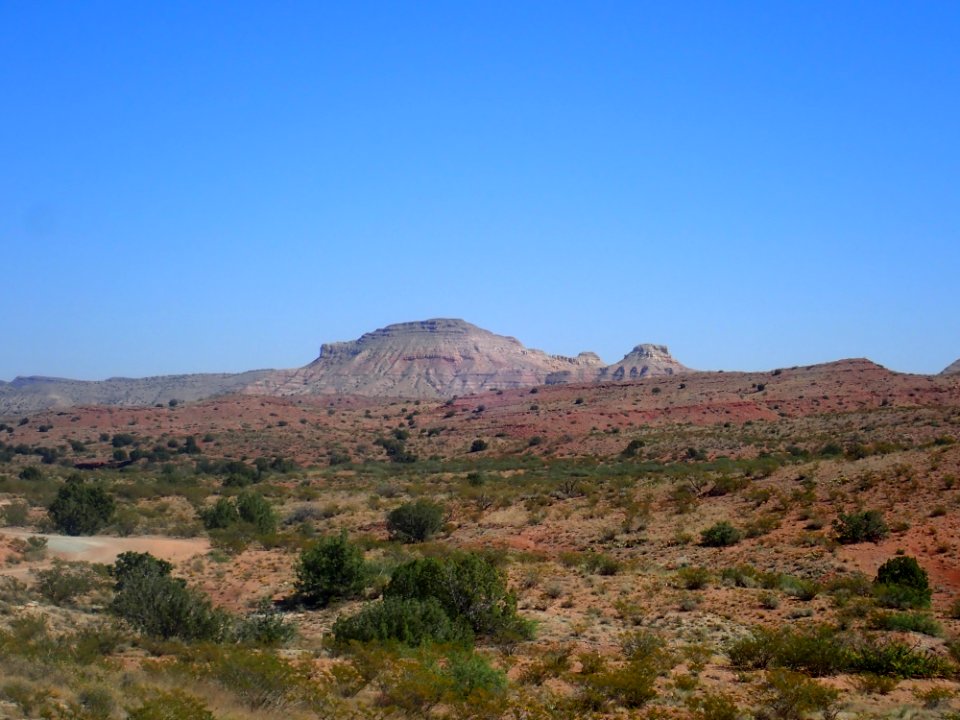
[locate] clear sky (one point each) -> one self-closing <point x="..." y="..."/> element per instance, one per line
<point x="221" y="186"/>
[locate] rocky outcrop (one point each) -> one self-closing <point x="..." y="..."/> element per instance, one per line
<point x="953" y="369"/>
<point x="641" y="362"/>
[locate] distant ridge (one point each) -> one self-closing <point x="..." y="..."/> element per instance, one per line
<point x="436" y="358"/>
<point x="29" y="394"/>
<point x="953" y="369"/>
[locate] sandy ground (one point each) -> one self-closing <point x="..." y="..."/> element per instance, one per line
<point x="104" y="549"/>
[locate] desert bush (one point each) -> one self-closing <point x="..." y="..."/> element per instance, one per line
<point x="407" y="621"/>
<point x="871" y="684"/>
<point x="64" y="582"/>
<point x="159" y="605"/>
<point x="170" y="705"/>
<point x="906" y="622"/>
<point x="769" y="601"/>
<point x="817" y="650"/>
<point x="632" y="684"/>
<point x="79" y="508"/>
<point x="266" y="626"/>
<point x="471" y="674"/>
<point x="722" y="534"/>
<point x="461" y="679"/>
<point x="716" y="706"/>
<point x="550" y="663"/>
<point x="30" y="699"/>
<point x="902" y="583"/>
<point x="858" y="527"/>
<point x="415" y="521"/>
<point x="800" y="588"/>
<point x="263" y="681"/>
<point x="222" y="515"/>
<point x="331" y="569"/>
<point x="600" y="563"/>
<point x="467" y="586"/>
<point x="847" y="586"/>
<point x="254" y="509"/>
<point x="897" y="659"/>
<point x="792" y="696"/>
<point x="15" y="514"/>
<point x="12" y="591"/>
<point x="694" y="578"/>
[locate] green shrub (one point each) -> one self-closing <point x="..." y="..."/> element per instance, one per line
<point x="331" y="569"/>
<point x="264" y="627"/>
<point x="249" y="508"/>
<point x="263" y="681"/>
<point x="467" y="586"/>
<point x="821" y="650"/>
<point x="716" y="706"/>
<point x="600" y="563"/>
<point x="722" y="534"/>
<point x="818" y="650"/>
<point x="800" y="588"/>
<point x="407" y="621"/>
<point x="906" y="622"/>
<point x="902" y="583"/>
<point x="254" y="509"/>
<point x="460" y="679"/>
<point x="222" y="515"/>
<point x="15" y="514"/>
<point x="159" y="605"/>
<point x="62" y="583"/>
<point x="792" y="696"/>
<point x="79" y="508"/>
<point x="471" y="675"/>
<point x="632" y="684"/>
<point x="897" y="659"/>
<point x="694" y="578"/>
<point x="866" y="526"/>
<point x="415" y="521"/>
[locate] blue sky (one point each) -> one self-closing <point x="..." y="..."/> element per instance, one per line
<point x="223" y="186"/>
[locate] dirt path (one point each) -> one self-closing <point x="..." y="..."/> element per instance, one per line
<point x="104" y="549"/>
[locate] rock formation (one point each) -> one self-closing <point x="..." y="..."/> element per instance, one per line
<point x="429" y="359"/>
<point x="436" y="358"/>
<point x="953" y="369"/>
<point x="642" y="361"/>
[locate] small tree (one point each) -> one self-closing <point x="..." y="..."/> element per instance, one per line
<point x="333" y="569"/>
<point x="254" y="509"/>
<point x="79" y="508"/>
<point x="162" y="606"/>
<point x="867" y="526"/>
<point x="478" y="445"/>
<point x="723" y="534"/>
<point x="250" y="508"/>
<point x="416" y="521"/>
<point x="222" y="515"/>
<point x="902" y="583"/>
